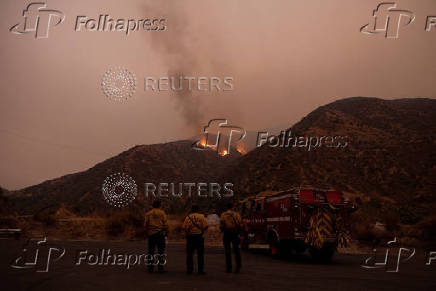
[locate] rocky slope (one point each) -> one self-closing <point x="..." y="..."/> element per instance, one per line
<point x="174" y="162"/>
<point x="390" y="158"/>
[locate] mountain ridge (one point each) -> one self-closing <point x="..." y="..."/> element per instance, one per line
<point x="377" y="162"/>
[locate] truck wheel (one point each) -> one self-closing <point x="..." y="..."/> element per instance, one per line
<point x="299" y="246"/>
<point x="325" y="254"/>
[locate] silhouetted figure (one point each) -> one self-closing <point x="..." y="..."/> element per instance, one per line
<point x="156" y="227"/>
<point x="230" y="225"/>
<point x="195" y="225"/>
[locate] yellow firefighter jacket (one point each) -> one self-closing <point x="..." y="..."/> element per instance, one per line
<point x="230" y="220"/>
<point x="156" y="221"/>
<point x="195" y="223"/>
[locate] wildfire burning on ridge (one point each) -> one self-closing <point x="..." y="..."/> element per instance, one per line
<point x="241" y="150"/>
<point x="221" y="151"/>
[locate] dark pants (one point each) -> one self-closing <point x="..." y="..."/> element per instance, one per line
<point x="231" y="239"/>
<point x="156" y="240"/>
<point x="195" y="242"/>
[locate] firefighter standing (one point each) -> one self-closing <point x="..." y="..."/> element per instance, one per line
<point x="230" y="225"/>
<point x="195" y="225"/>
<point x="156" y="227"/>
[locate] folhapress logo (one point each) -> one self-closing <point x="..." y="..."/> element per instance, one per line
<point x="35" y="255"/>
<point x="219" y="135"/>
<point x="388" y="20"/>
<point x="37" y="19"/>
<point x="393" y="257"/>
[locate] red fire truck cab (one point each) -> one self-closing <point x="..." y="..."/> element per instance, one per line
<point x="281" y="221"/>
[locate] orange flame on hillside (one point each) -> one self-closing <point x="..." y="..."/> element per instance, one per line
<point x="241" y="150"/>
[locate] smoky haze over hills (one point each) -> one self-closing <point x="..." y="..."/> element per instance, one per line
<point x="391" y="155"/>
<point x="286" y="58"/>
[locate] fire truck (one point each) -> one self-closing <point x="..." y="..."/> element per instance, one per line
<point x="297" y="220"/>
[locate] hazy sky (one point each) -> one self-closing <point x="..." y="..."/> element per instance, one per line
<point x="286" y="57"/>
